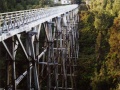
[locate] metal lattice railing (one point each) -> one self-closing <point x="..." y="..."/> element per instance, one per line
<point x="12" y="20"/>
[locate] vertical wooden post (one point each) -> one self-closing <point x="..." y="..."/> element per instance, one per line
<point x="13" y="65"/>
<point x="48" y="66"/>
<point x="29" y="71"/>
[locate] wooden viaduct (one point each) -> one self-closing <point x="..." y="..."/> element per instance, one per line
<point x="47" y="40"/>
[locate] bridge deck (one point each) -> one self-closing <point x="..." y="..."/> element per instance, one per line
<point x="12" y="23"/>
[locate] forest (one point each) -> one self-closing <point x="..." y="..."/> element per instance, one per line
<point x="99" y="54"/>
<point x="14" y="5"/>
<point x="99" y="62"/>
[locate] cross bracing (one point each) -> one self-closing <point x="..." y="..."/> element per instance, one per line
<point x="48" y="40"/>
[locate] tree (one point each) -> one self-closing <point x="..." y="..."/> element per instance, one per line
<point x="3" y="6"/>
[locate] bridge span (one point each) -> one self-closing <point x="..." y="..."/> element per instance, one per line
<point x="41" y="48"/>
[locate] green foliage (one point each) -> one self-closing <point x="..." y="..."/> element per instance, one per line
<point x="103" y="20"/>
<point x="113" y="61"/>
<point x="19" y="7"/>
<point x="5" y="5"/>
<point x="116" y="6"/>
<point x="101" y="24"/>
<point x="102" y="82"/>
<point x="85" y="71"/>
<point x="87" y="48"/>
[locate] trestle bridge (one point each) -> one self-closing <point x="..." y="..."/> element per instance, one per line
<point x="40" y="48"/>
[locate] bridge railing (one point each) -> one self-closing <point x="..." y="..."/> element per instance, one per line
<point x="12" y="20"/>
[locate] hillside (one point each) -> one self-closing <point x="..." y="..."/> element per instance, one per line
<point x="99" y="60"/>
